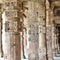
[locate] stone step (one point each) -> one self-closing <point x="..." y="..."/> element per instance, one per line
<point x="24" y="59"/>
<point x="56" y="58"/>
<point x="57" y="55"/>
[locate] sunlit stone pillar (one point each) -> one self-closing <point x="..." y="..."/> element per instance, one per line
<point x="11" y="35"/>
<point x="36" y="18"/>
<point x="42" y="35"/>
<point x="48" y="31"/>
<point x="33" y="31"/>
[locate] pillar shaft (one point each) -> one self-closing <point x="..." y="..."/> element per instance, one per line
<point x="42" y="34"/>
<point x="48" y="31"/>
<point x="1" y="51"/>
<point x="11" y="40"/>
<point x="33" y="31"/>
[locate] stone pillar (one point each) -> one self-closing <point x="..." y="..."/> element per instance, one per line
<point x="42" y="34"/>
<point x="33" y="31"/>
<point x="53" y="37"/>
<point x="11" y="35"/>
<point x="36" y="17"/>
<point x="1" y="50"/>
<point x="48" y="31"/>
<point x="54" y="31"/>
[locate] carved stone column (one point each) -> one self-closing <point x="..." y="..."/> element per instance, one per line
<point x="11" y="35"/>
<point x="54" y="45"/>
<point x="48" y="31"/>
<point x="1" y="50"/>
<point x="33" y="31"/>
<point x="42" y="34"/>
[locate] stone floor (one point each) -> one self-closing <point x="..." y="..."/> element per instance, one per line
<point x="24" y="59"/>
<point x="55" y="58"/>
<point x="1" y="58"/>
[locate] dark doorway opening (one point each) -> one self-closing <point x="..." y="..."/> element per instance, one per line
<point x="58" y="36"/>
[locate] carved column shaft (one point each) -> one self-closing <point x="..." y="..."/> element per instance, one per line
<point x="33" y="31"/>
<point x="42" y="35"/>
<point x="11" y="40"/>
<point x="48" y="31"/>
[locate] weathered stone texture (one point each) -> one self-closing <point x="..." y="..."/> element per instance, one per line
<point x="10" y="31"/>
<point x="39" y="27"/>
<point x="33" y="32"/>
